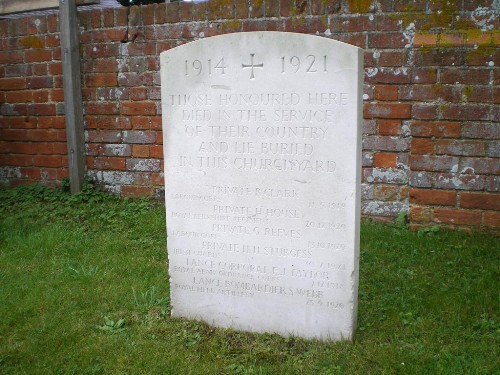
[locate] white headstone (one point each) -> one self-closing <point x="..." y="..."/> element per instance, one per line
<point x="262" y="154"/>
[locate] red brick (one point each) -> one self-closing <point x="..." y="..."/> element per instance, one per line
<point x="424" y="40"/>
<point x="141" y="151"/>
<point x="101" y="108"/>
<point x="37" y="55"/>
<point x="172" y="12"/>
<point x="480" y="94"/>
<point x="156" y="151"/>
<point x="40" y="69"/>
<point x="433" y="197"/>
<point x="435" y="129"/>
<point x="460" y="147"/>
<point x="42" y="109"/>
<point x="13" y="134"/>
<point x="386" y="40"/>
<point x="53" y="161"/>
<point x="468" y="112"/>
<point x="21" y="96"/>
<point x="31" y="173"/>
<point x="394" y="110"/>
<point x="384" y="160"/>
<point x="105" y="66"/>
<point x="60" y="148"/>
<point x="449" y="93"/>
<point x="353" y="24"/>
<point x="139" y="137"/>
<point x="40" y="82"/>
<point x="109" y="163"/>
<point x="386" y="92"/>
<point x="137" y="93"/>
<point x="492" y="219"/>
<point x="148" y="14"/>
<point x="57" y="95"/>
<point x="439" y="57"/>
<point x="101" y="79"/>
<point x="420" y="214"/>
<point x="121" y="16"/>
<point x="141" y="108"/>
<point x="41" y="96"/>
<point x="383" y="143"/>
<point x="19" y="122"/>
<point x="481" y="130"/>
<point x="260" y="25"/>
<point x="388" y="75"/>
<point x="457" y="217"/>
<point x="465" y="76"/>
<point x="356" y="39"/>
<point x="108" y="17"/>
<point x="102" y="50"/>
<point x="156" y="123"/>
<point x="10" y="57"/>
<point x="389" y="127"/>
<point x="136" y="191"/>
<point x="484" y="201"/>
<point x="432" y="163"/>
<point x="424" y="111"/>
<point x="451" y="40"/>
<point x="157" y="179"/>
<point x="386" y="22"/>
<point x="12" y="83"/>
<point x="160" y="12"/>
<point x="391" y="58"/>
<point x="422" y="146"/>
<point x="484" y="39"/>
<point x="386" y="192"/>
<point x="141" y="48"/>
<point x="27" y="148"/>
<point x="104" y="136"/>
<point x="424" y="75"/>
<point x="56" y="122"/>
<point x="16" y="160"/>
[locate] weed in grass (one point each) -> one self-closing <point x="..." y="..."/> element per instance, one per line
<point x="402" y="220"/>
<point x="428" y="230"/>
<point x="111" y="326"/>
<point x="149" y="298"/>
<point x="83" y="270"/>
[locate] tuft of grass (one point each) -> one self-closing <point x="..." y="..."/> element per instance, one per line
<point x="84" y="290"/>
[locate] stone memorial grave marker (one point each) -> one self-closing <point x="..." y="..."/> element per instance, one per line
<point x="262" y="152"/>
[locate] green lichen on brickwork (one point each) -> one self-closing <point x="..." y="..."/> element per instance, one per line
<point x="258" y="3"/>
<point x="216" y="5"/>
<point x="31" y="41"/>
<point x="360" y="6"/>
<point x="233" y="24"/>
<point x="298" y="9"/>
<point x="467" y="92"/>
<point x="480" y="52"/>
<point x="443" y="18"/>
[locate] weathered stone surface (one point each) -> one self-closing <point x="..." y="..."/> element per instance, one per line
<point x="262" y="168"/>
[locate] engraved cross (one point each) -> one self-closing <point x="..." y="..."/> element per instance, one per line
<point x="252" y="65"/>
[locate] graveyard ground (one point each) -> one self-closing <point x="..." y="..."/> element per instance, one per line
<point x="84" y="290"/>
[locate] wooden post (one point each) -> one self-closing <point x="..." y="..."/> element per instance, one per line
<point x="68" y="24"/>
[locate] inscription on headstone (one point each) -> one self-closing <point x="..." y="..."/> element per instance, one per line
<point x="262" y="182"/>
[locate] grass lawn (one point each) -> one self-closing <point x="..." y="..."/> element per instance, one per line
<point x="84" y="290"/>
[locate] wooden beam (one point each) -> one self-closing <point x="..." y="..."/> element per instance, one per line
<point x="16" y="6"/>
<point x="68" y="23"/>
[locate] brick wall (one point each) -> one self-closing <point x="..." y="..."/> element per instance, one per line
<point x="431" y="133"/>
